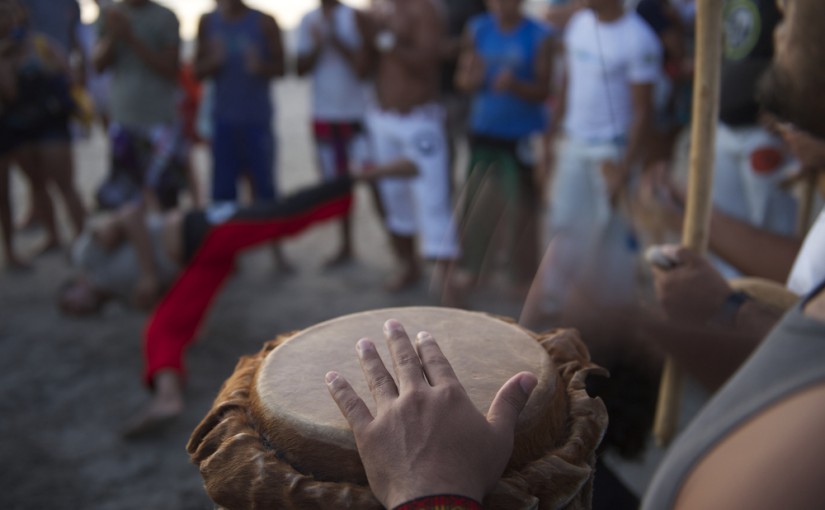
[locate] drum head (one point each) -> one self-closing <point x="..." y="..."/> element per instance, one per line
<point x="293" y="403"/>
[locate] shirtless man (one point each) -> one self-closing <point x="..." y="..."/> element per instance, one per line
<point x="406" y="38"/>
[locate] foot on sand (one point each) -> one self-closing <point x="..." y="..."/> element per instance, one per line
<point x="166" y="405"/>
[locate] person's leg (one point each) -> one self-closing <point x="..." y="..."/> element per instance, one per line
<point x="29" y="160"/>
<point x="396" y="200"/>
<point x="6" y="226"/>
<point x="425" y="144"/>
<point x="177" y="318"/>
<point x="56" y="157"/>
<point x="225" y="163"/>
<point x="332" y="142"/>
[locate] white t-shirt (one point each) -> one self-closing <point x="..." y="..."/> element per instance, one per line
<point x="809" y="268"/>
<point x="603" y="61"/>
<point x="338" y="94"/>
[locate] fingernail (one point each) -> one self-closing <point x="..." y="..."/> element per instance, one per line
<point x="392" y="326"/>
<point x="364" y="345"/>
<point x="425" y="337"/>
<point x="331" y="377"/>
<point x="528" y="383"/>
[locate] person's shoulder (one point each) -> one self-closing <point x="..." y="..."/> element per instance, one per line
<point x="538" y="29"/>
<point x="480" y="22"/>
<point x="579" y="20"/>
<point x="641" y="33"/>
<point x="163" y="12"/>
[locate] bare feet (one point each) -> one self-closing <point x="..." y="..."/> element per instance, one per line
<point x="164" y="407"/>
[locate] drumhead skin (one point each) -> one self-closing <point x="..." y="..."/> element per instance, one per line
<point x="293" y="403"/>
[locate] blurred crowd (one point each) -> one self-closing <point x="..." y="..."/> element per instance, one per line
<point x="549" y="148"/>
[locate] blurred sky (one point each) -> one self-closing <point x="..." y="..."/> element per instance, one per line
<point x="287" y="12"/>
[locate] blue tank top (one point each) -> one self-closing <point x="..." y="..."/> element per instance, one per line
<point x="504" y="115"/>
<point x="240" y="97"/>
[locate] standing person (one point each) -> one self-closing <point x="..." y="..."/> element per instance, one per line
<point x="408" y="122"/>
<point x="456" y="103"/>
<point x="240" y="49"/>
<point x="331" y="50"/>
<point x="50" y="151"/>
<point x="613" y="59"/>
<point x="506" y="64"/>
<point x="750" y="156"/>
<point x="36" y="106"/>
<point x="140" y="44"/>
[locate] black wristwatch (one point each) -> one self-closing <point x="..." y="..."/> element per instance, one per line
<point x="726" y="316"/>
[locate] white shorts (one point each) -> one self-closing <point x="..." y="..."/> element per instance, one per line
<point x="419" y="205"/>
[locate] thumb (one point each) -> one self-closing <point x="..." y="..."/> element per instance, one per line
<point x="510" y="400"/>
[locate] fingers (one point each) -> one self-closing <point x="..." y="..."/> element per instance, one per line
<point x="382" y="386"/>
<point x="352" y="407"/>
<point x="405" y="360"/>
<point x="510" y="400"/>
<point x="436" y="366"/>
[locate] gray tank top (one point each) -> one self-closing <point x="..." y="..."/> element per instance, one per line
<point x="791" y="359"/>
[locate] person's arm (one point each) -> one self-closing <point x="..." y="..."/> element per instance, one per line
<point x="617" y="173"/>
<point x="275" y="65"/>
<point x="427" y="438"/>
<point x="8" y="81"/>
<point x="132" y="219"/>
<point x="752" y="250"/>
<point x="356" y="58"/>
<point x="310" y="47"/>
<point x="535" y="90"/>
<point x="209" y="54"/>
<point x="469" y="76"/>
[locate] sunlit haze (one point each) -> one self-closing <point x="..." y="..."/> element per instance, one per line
<point x="287" y="12"/>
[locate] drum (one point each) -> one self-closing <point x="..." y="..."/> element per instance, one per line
<point x="276" y="439"/>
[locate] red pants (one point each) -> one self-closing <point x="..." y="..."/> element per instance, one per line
<point x="175" y="321"/>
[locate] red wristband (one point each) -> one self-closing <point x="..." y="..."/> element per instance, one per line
<point x="442" y="502"/>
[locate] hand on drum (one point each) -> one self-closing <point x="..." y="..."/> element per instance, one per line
<point x="427" y="437"/>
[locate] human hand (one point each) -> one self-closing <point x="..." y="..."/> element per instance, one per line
<point x="615" y="176"/>
<point x="660" y="197"/>
<point x="504" y="81"/>
<point x="427" y="437"/>
<point x="469" y="71"/>
<point x="808" y="149"/>
<point x="691" y="289"/>
<point x="117" y="24"/>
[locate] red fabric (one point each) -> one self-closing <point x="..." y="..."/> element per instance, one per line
<point x="175" y="321"/>
<point x="766" y="160"/>
<point x="444" y="502"/>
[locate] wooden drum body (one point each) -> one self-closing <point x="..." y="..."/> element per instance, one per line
<point x="275" y="438"/>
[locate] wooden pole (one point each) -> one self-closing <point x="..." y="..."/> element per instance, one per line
<point x="697" y="216"/>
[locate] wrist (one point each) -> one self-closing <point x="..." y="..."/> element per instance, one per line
<point x="454" y="502"/>
<point x="729" y="310"/>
